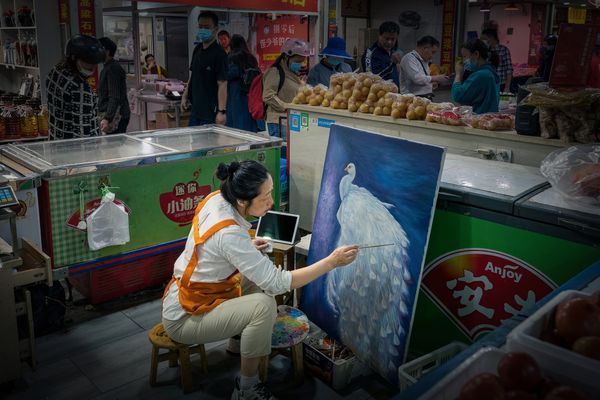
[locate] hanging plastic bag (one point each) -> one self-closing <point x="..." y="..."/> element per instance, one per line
<point x="575" y="172"/>
<point x="108" y="225"/>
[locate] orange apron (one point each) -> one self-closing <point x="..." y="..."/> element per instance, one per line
<point x="201" y="297"/>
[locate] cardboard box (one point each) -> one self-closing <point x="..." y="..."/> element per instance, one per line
<point x="166" y="119"/>
<point x="336" y="373"/>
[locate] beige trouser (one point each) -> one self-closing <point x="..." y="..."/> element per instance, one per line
<point x="251" y="315"/>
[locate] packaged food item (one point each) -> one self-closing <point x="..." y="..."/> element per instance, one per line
<point x="42" y="119"/>
<point x="491" y="121"/>
<point x="575" y="172"/>
<point x="418" y="109"/>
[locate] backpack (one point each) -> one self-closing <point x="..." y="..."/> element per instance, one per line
<point x="247" y="78"/>
<point x="256" y="106"/>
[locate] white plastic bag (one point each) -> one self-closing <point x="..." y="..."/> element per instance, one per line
<point x="108" y="225"/>
<point x="575" y="172"/>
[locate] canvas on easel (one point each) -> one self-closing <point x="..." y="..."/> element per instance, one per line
<point x="378" y="192"/>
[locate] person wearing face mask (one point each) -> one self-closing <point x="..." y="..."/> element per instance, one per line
<point x="281" y="82"/>
<point x="72" y="104"/>
<point x="332" y="62"/>
<point x="481" y="90"/>
<point x="415" y="74"/>
<point x="223" y="283"/>
<point x="383" y="57"/>
<point x="207" y="85"/>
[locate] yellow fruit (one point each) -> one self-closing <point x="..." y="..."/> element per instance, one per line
<point x="386" y="110"/>
<point x="326" y="103"/>
<point x="396" y="113"/>
<point x="381" y="93"/>
<point x="364" y="108"/>
<point x="352" y="107"/>
<point x="411" y="115"/>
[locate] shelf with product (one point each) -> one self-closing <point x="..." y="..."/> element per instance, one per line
<point x="28" y="50"/>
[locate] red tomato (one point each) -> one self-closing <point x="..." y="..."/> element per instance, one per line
<point x="482" y="386"/>
<point x="566" y="393"/>
<point x="519" y="371"/>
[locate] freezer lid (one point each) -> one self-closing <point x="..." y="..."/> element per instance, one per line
<point x="78" y="154"/>
<point x="492" y="185"/>
<point x="551" y="207"/>
<point x="20" y="180"/>
<point x="208" y="139"/>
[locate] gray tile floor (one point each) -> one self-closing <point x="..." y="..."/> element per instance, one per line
<point x="109" y="358"/>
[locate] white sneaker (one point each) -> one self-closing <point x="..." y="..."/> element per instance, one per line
<point x="257" y="392"/>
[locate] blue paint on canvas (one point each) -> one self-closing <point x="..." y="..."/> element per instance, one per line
<point x="375" y="190"/>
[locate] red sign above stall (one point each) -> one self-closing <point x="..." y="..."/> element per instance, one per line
<point x="86" y="16"/>
<point x="310" y="6"/>
<point x="272" y="34"/>
<point x="447" y="50"/>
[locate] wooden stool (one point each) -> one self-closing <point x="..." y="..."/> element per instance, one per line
<point x="290" y="329"/>
<point x="176" y="351"/>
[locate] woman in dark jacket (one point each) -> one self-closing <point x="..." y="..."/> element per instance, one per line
<point x="72" y="104"/>
<point x="240" y="61"/>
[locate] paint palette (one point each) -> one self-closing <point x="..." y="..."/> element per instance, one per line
<point x="291" y="327"/>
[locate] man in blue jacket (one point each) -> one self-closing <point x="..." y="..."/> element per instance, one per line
<point x="382" y="58"/>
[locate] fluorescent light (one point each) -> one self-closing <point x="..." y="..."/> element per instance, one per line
<point x="485" y="7"/>
<point x="511" y="7"/>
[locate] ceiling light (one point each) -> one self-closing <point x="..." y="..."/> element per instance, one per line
<point x="511" y="7"/>
<point x="485" y="7"/>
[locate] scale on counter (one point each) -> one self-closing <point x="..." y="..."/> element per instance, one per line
<point x="9" y="198"/>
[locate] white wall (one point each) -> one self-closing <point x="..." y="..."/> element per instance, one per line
<point x="431" y="20"/>
<point x="519" y="21"/>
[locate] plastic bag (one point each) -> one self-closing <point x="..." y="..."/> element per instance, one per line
<point x="491" y="121"/>
<point x="543" y="96"/>
<point x="108" y="225"/>
<point x="575" y="172"/>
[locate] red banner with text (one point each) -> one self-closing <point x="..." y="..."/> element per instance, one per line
<point x="311" y="6"/>
<point x="86" y="16"/>
<point x="447" y="50"/>
<point x="272" y="34"/>
<point x="63" y="11"/>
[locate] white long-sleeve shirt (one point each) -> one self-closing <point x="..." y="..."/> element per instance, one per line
<point x="228" y="250"/>
<point x="415" y="75"/>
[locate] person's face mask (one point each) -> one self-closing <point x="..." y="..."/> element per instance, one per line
<point x="334" y="61"/>
<point x="295" y="67"/>
<point x="469" y="65"/>
<point x="204" y="35"/>
<point x="84" y="71"/>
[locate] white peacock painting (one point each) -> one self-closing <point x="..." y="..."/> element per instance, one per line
<point x="378" y="192"/>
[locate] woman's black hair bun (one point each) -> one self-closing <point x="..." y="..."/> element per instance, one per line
<point x="234" y="166"/>
<point x="222" y="171"/>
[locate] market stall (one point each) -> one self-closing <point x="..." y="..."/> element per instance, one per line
<point x="309" y="134"/>
<point x="504" y="234"/>
<point x="158" y="178"/>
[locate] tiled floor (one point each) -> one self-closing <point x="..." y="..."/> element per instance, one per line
<point x="109" y="358"/>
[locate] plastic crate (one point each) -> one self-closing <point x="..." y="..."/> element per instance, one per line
<point x="112" y="282"/>
<point x="411" y="372"/>
<point x="563" y="364"/>
<point x="484" y="361"/>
